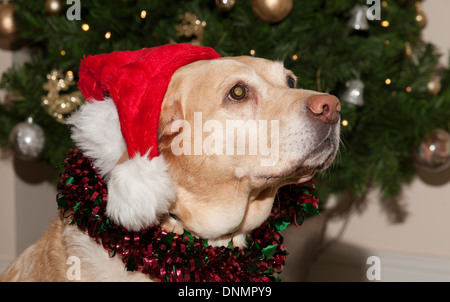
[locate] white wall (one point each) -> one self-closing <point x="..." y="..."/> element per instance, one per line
<point x="7" y="209"/>
<point x="28" y="195"/>
<point x="7" y="186"/>
<point x="423" y="239"/>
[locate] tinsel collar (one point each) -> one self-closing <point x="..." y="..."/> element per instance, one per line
<point x="164" y="256"/>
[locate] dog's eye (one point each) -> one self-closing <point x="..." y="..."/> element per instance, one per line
<point x="291" y="82"/>
<point x="238" y="92"/>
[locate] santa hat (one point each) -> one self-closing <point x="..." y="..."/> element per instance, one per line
<point x="133" y="84"/>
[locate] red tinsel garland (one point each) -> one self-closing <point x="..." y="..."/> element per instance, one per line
<point x="165" y="256"/>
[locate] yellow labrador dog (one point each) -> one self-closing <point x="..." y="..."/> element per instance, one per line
<point x="223" y="190"/>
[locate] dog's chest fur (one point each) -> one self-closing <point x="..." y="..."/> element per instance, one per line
<point x="49" y="259"/>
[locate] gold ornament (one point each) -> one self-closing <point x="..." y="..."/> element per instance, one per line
<point x="421" y="19"/>
<point x="225" y="5"/>
<point x="56" y="104"/>
<point x="53" y="7"/>
<point x="8" y="27"/>
<point x="434" y="86"/>
<point x="191" y="27"/>
<point x="272" y="11"/>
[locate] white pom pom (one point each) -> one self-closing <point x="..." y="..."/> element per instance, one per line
<point x="140" y="190"/>
<point x="96" y="131"/>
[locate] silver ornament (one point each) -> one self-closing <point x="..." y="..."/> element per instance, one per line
<point x="27" y="140"/>
<point x="354" y="93"/>
<point x="358" y="19"/>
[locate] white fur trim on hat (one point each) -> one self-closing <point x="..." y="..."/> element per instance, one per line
<point x="139" y="192"/>
<point x="96" y="132"/>
<point x="140" y="189"/>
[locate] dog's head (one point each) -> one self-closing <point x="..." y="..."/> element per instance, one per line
<point x="245" y="132"/>
<point x="231" y="132"/>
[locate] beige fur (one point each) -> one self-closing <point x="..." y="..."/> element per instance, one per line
<point x="219" y="197"/>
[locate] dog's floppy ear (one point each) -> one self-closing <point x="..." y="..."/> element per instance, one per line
<point x="171" y="112"/>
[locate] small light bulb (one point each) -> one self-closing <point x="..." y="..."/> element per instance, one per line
<point x="85" y="27"/>
<point x="108" y="35"/>
<point x="143" y="14"/>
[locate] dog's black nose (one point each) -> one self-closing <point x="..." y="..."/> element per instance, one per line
<point x="325" y="107"/>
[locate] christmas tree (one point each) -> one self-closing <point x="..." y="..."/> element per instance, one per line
<point x="395" y="98"/>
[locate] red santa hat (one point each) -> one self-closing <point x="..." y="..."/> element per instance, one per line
<point x="140" y="189"/>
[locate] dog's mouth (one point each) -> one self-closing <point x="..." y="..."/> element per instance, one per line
<point x="321" y="157"/>
<point x="318" y="159"/>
